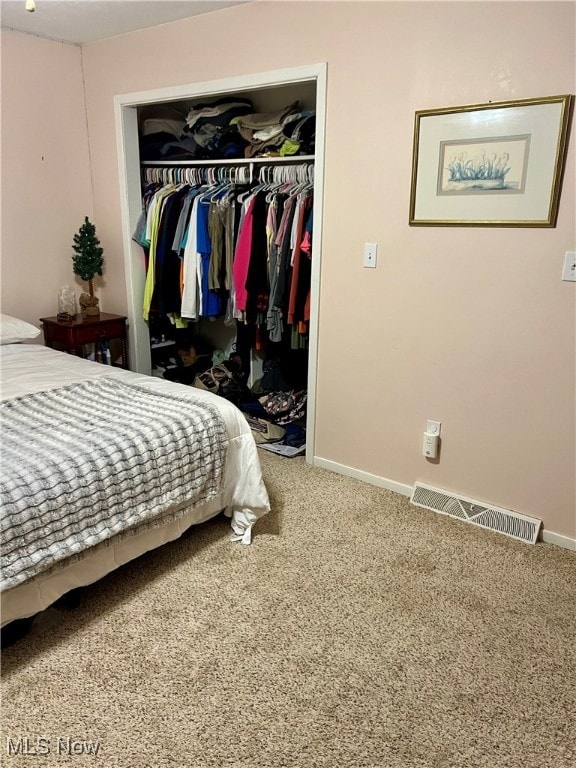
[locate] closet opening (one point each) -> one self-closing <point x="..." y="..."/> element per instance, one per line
<point x="211" y="154"/>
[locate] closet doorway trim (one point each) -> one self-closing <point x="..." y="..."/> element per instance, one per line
<point x="126" y="118"/>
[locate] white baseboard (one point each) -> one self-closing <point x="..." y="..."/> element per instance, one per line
<point x="381" y="482"/>
<point x="406" y="490"/>
<point x="560" y="541"/>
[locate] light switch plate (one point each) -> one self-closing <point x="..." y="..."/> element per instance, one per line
<point x="370" y="252"/>
<point x="569" y="271"/>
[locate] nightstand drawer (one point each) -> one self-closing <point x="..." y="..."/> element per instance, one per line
<point x="113" y="329"/>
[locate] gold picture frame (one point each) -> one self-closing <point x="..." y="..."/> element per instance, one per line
<point x="490" y="165"/>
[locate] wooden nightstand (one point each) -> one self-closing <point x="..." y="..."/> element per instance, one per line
<point x="71" y="335"/>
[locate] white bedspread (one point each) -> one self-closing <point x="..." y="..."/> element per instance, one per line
<point x="29" y="368"/>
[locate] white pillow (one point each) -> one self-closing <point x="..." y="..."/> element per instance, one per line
<point x="13" y="330"/>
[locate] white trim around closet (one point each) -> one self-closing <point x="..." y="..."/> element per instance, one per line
<point x="125" y="109"/>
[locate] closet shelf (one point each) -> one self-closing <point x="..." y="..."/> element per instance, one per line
<point x="234" y="161"/>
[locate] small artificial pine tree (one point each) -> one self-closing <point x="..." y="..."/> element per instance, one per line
<point x="88" y="259"/>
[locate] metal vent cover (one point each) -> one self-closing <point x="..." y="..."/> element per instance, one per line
<point x="487" y="516"/>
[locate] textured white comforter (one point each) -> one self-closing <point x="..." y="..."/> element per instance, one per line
<point x="29" y="368"/>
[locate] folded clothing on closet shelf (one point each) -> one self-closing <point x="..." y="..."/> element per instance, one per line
<point x="229" y="128"/>
<point x="208" y="132"/>
<point x="217" y="113"/>
<point x="162" y="120"/>
<point x="159" y="125"/>
<point x="286" y="132"/>
<point x="264" y="121"/>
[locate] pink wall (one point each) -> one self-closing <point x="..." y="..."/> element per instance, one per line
<point x="472" y="327"/>
<point x="45" y="171"/>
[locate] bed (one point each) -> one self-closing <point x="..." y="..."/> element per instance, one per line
<point x="100" y="465"/>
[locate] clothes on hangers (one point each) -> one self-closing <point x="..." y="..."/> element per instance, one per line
<point x="214" y="247"/>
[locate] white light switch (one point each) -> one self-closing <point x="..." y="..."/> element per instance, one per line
<point x="370" y="252"/>
<point x="569" y="271"/>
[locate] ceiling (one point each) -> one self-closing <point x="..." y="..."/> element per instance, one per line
<point x="83" y="21"/>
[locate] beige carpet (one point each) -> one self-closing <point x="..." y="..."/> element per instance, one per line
<point x="356" y="632"/>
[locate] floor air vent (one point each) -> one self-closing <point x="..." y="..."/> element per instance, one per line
<point x="487" y="516"/>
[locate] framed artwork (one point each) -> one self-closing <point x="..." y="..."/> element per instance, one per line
<point x="490" y="165"/>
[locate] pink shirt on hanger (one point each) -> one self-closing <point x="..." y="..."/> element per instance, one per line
<point x="242" y="258"/>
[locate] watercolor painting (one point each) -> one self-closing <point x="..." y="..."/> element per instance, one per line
<point x="496" y="165"/>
